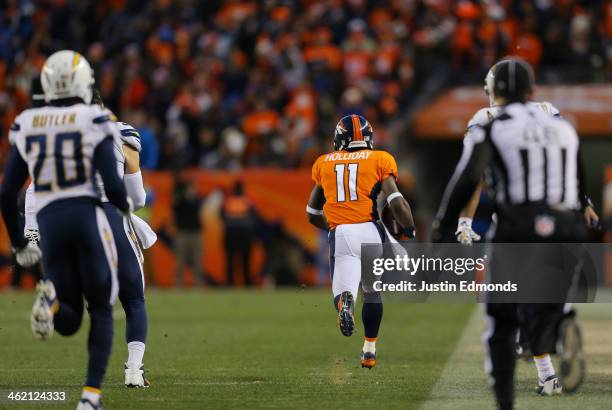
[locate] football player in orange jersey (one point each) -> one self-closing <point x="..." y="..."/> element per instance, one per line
<point x="344" y="201"/>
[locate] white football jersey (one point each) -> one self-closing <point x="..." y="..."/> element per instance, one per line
<point x="126" y="135"/>
<point x="58" y="145"/>
<point x="485" y="115"/>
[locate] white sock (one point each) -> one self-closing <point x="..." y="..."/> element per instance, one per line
<point x="369" y="345"/>
<point x="91" y="394"/>
<point x="135" y="354"/>
<point x="544" y="366"/>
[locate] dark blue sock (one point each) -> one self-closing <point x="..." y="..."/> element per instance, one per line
<point x="371" y="314"/>
<point x="136" y="323"/>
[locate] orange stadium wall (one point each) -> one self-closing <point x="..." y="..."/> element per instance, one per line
<point x="278" y="196"/>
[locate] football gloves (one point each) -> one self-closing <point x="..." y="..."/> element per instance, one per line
<point x="29" y="255"/>
<point x="465" y="234"/>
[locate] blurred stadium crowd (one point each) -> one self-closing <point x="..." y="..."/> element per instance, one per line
<point x="231" y="84"/>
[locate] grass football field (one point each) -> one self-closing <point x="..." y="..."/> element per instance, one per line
<point x="281" y="349"/>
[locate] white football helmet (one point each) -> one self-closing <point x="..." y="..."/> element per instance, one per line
<point x="67" y="74"/>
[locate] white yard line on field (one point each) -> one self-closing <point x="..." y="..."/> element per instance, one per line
<point x="463" y="376"/>
<point x="464" y="385"/>
<point x="339" y="373"/>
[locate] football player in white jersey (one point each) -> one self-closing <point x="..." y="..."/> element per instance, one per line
<point x="465" y="234"/>
<point x="130" y="234"/>
<point x="62" y="145"/>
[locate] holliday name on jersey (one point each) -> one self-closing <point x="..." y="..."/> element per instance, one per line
<point x="345" y="156"/>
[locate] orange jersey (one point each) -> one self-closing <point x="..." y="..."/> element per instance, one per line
<point x="351" y="182"/>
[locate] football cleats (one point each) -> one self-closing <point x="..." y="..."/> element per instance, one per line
<point x="45" y="306"/>
<point x="67" y="74"/>
<point x="346" y="320"/>
<point x="135" y="376"/>
<point x="353" y="131"/>
<point x="86" y="404"/>
<point x="549" y="387"/>
<point x="368" y="359"/>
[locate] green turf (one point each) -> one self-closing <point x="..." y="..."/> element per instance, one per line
<point x="464" y="371"/>
<point x="261" y="349"/>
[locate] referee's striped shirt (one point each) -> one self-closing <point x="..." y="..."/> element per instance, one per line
<point x="528" y="157"/>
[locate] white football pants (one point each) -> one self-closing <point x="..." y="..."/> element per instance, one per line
<point x="345" y="254"/>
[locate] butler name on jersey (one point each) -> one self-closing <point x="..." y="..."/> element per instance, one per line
<point x="58" y="144"/>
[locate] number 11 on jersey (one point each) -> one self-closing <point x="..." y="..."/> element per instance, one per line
<point x="352" y="181"/>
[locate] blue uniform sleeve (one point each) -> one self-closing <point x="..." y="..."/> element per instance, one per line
<point x="105" y="163"/>
<point x="15" y="175"/>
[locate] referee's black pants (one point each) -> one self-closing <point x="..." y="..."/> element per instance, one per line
<point x="539" y="320"/>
